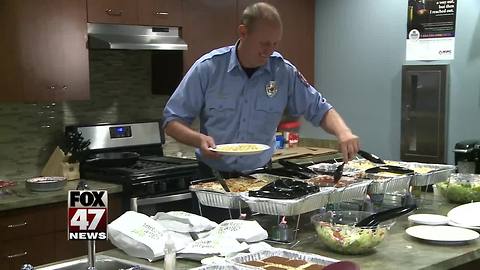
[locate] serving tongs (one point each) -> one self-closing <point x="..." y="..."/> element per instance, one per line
<point x="377" y="218"/>
<point x="370" y="157"/>
<point x="220" y="179"/>
<point x="302" y="169"/>
<point x="389" y="169"/>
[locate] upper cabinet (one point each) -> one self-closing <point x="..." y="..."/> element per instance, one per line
<point x="138" y="12"/>
<point x="43" y="47"/>
<point x="297" y="44"/>
<point x="208" y="24"/>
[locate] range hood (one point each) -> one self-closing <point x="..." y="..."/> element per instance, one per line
<point x="134" y="37"/>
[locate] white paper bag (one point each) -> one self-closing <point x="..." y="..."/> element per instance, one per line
<point x="184" y="222"/>
<point x="140" y="236"/>
<point x="242" y="230"/>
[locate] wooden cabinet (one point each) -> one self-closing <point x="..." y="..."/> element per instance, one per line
<point x="208" y="24"/>
<point x="38" y="235"/>
<point x="138" y="12"/>
<point x="43" y="48"/>
<point x="297" y="45"/>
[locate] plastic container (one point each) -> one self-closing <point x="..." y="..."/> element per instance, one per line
<point x="290" y="132"/>
<point x="461" y="188"/>
<point x="170" y="259"/>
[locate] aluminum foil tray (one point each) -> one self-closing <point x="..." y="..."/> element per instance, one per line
<point x="293" y="207"/>
<point x="228" y="200"/>
<point x="389" y="185"/>
<point x="260" y="255"/>
<point x="330" y="167"/>
<point x="223" y="267"/>
<point x="439" y="173"/>
<point x="349" y="193"/>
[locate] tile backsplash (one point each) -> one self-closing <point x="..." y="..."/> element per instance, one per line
<point x="120" y="90"/>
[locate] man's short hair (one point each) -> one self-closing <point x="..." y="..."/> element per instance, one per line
<point x="260" y="11"/>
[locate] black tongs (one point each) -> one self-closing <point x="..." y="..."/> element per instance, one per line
<point x="220" y="179"/>
<point x="370" y="157"/>
<point x="380" y="217"/>
<point x="390" y="169"/>
<point x="297" y="167"/>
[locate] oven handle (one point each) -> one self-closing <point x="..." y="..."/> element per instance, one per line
<point x="135" y="202"/>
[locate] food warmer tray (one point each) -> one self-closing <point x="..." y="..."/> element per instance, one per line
<point x="226" y="200"/>
<point x="356" y="191"/>
<point x="439" y="173"/>
<point x="296" y="255"/>
<point x="291" y="207"/>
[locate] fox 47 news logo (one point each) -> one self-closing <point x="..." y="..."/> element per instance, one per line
<point x="87" y="214"/>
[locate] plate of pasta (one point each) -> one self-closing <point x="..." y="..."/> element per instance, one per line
<point x="239" y="149"/>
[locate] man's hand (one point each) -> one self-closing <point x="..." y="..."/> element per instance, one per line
<point x="349" y="144"/>
<point x="206" y="142"/>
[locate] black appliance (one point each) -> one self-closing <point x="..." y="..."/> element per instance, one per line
<point x="467" y="156"/>
<point x="151" y="181"/>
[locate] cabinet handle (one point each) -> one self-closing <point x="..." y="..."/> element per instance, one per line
<point x="160" y="13"/>
<point x="64" y="88"/>
<point x="17" y="225"/>
<point x="51" y="87"/>
<point x="17" y="255"/>
<point x="112" y="12"/>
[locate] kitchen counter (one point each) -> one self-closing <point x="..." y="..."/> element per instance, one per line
<point x="21" y="197"/>
<point x="398" y="251"/>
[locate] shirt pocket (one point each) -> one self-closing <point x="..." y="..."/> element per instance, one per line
<point x="220" y="112"/>
<point x="268" y="112"/>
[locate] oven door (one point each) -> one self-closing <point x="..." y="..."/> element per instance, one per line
<point x="162" y="203"/>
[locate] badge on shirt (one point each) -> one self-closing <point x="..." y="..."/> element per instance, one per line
<point x="271" y="88"/>
<point x="302" y="79"/>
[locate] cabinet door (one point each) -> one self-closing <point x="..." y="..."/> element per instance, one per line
<point x="423" y="134"/>
<point x="160" y="12"/>
<point x="112" y="11"/>
<point x="297" y="45"/>
<point x="208" y="24"/>
<point x="44" y="54"/>
<point x="34" y="250"/>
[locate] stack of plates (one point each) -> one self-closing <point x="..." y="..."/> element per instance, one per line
<point x="465" y="216"/>
<point x="463" y="220"/>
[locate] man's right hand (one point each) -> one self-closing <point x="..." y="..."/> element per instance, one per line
<point x="206" y="142"/>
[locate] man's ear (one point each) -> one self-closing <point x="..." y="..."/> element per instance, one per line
<point x="242" y="31"/>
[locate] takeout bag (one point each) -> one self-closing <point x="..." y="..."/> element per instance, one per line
<point x="242" y="230"/>
<point x="140" y="236"/>
<point x="209" y="246"/>
<point x="180" y="221"/>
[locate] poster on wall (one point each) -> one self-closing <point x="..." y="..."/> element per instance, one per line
<point x="431" y="30"/>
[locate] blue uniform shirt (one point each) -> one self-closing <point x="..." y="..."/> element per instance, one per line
<point x="236" y="109"/>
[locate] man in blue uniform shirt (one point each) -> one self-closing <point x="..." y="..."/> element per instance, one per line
<point x="240" y="93"/>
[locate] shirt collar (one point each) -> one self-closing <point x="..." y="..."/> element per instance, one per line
<point x="235" y="63"/>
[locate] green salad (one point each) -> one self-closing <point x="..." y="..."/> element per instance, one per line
<point x="347" y="239"/>
<point x="460" y="191"/>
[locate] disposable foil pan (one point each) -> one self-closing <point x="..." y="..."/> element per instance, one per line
<point x="438" y="173"/>
<point x="227" y="200"/>
<point x="349" y="193"/>
<point x="288" y="207"/>
<point x="260" y="255"/>
<point x="389" y="185"/>
<point x="222" y="267"/>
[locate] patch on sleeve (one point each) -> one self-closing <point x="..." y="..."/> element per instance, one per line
<point x="302" y="79"/>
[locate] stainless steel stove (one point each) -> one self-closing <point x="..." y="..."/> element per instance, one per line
<point x="151" y="183"/>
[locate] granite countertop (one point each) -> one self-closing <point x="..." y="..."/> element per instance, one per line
<point x="20" y="197"/>
<point x="398" y="251"/>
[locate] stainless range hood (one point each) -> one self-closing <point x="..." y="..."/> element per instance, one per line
<point x="134" y="37"/>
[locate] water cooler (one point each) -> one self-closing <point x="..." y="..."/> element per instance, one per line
<point x="467" y="156"/>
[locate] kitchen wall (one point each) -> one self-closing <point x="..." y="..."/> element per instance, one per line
<point x="359" y="52"/>
<point x="120" y="91"/>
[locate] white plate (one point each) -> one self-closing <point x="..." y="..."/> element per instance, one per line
<point x="442" y="233"/>
<point x="428" y="219"/>
<point x="451" y="223"/>
<point x="239" y="149"/>
<point x="466" y="214"/>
